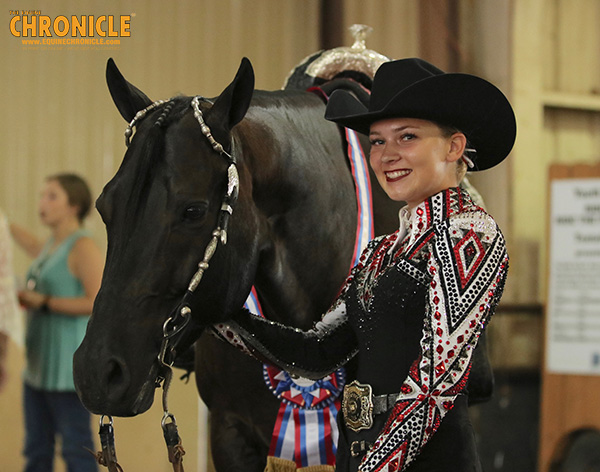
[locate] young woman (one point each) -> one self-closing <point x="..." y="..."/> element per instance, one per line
<point x="412" y="310"/>
<point x="61" y="286"/>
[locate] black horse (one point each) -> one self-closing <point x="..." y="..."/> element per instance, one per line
<point x="291" y="235"/>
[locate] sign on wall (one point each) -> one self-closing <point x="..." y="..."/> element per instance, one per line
<point x="573" y="323"/>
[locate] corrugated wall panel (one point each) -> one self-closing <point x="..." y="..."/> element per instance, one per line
<point x="573" y="39"/>
<point x="62" y="117"/>
<point x="395" y="24"/>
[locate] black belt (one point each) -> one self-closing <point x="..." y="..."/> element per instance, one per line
<point x="383" y="403"/>
<point x="359" y="405"/>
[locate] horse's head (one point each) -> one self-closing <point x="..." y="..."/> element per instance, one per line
<point x="161" y="211"/>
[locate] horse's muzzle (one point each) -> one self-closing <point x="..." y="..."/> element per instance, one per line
<point x="104" y="384"/>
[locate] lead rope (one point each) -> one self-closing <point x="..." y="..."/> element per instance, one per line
<point x="166" y="357"/>
<point x="107" y="457"/>
<point x="174" y="448"/>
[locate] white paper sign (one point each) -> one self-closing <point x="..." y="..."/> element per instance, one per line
<point x="573" y="325"/>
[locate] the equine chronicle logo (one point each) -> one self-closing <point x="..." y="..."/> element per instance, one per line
<point x="36" y="29"/>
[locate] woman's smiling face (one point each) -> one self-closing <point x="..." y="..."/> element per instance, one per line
<point x="412" y="158"/>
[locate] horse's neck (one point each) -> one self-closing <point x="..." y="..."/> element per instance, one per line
<point x="304" y="201"/>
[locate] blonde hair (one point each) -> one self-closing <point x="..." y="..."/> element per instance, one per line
<point x="461" y="169"/>
<point x="461" y="164"/>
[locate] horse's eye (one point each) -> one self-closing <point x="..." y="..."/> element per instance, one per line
<point x="194" y="212"/>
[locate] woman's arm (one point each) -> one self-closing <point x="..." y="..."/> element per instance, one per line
<point x="30" y="243"/>
<point x="86" y="264"/>
<point x="312" y="354"/>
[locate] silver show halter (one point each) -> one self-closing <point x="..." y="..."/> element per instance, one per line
<point x="233" y="181"/>
<point x="174" y="326"/>
<point x="179" y="320"/>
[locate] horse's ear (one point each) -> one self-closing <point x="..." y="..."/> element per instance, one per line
<point x="128" y="98"/>
<point x="231" y="106"/>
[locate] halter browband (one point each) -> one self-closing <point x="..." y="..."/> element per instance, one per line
<point x="139" y="116"/>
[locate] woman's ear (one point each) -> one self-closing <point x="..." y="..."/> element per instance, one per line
<point x="458" y="142"/>
<point x="75" y="209"/>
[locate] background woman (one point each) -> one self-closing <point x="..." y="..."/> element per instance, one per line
<point x="413" y="308"/>
<point x="61" y="286"/>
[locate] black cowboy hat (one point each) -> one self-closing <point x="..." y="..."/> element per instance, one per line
<point x="414" y="88"/>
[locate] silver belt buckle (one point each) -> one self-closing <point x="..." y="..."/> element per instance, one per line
<point x="357" y="406"/>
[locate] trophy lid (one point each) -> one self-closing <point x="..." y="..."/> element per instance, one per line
<point x="356" y="57"/>
<point x="327" y="64"/>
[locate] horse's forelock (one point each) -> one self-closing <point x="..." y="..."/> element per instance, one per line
<point x="146" y="153"/>
<point x="171" y="111"/>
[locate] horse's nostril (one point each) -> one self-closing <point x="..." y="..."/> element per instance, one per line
<point x="117" y="378"/>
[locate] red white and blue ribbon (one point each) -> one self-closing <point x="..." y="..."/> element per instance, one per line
<point x="362" y="184"/>
<point x="306" y="431"/>
<point x="252" y="304"/>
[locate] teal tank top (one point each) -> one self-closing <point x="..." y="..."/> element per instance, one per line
<point x="52" y="338"/>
